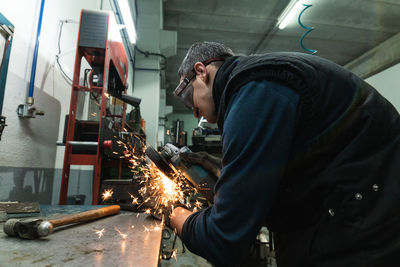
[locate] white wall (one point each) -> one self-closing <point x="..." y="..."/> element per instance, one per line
<point x="147" y="82"/>
<point x="387" y="83"/>
<point x="147" y="87"/>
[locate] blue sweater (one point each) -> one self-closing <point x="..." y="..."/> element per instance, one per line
<point x="257" y="137"/>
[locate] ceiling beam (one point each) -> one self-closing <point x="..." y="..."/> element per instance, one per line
<point x="377" y="59"/>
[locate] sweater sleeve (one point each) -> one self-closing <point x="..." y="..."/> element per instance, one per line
<point x="257" y="138"/>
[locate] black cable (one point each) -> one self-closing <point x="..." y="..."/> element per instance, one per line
<point x="85" y="77"/>
<point x="166" y="231"/>
<point x="59" y="53"/>
<point x="136" y="12"/>
<point x="59" y="36"/>
<point x="62" y="71"/>
<point x="174" y="242"/>
<point x="147" y="53"/>
<point x="183" y="247"/>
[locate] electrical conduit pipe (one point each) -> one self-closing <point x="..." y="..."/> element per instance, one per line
<point x="29" y="100"/>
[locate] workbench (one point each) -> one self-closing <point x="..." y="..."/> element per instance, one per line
<point x="80" y="245"/>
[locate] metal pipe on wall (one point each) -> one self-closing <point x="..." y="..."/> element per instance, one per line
<point x="29" y="100"/>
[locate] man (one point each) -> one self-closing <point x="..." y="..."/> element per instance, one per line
<point x="309" y="149"/>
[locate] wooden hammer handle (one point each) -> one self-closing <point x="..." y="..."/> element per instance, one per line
<point x="86" y="216"/>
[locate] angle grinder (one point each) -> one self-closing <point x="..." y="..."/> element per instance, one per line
<point x="197" y="176"/>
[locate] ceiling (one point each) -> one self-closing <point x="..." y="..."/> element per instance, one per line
<point x="343" y="29"/>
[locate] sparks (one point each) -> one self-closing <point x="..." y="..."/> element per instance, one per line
<point x="173" y="255"/>
<point x="107" y="194"/>
<point x="168" y="190"/>
<point x="157" y="228"/>
<point x="156" y="189"/>
<point x="135" y="200"/>
<point x="120" y="233"/>
<point x="197" y="204"/>
<point x="100" y="233"/>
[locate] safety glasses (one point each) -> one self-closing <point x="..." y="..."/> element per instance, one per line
<point x="184" y="90"/>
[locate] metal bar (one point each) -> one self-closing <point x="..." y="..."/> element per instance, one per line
<point x="82" y="159"/>
<point x="82" y="143"/>
<point x="87" y="89"/>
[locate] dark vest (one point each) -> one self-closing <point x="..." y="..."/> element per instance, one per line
<point x="344" y="168"/>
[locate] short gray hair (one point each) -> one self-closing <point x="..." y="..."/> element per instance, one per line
<point x="200" y="52"/>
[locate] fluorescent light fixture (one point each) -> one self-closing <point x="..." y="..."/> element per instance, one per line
<point x="292" y="9"/>
<point x="128" y="20"/>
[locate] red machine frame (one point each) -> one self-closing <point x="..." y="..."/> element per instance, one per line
<point x="112" y="56"/>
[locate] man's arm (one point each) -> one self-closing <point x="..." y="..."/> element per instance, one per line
<point x="257" y="138"/>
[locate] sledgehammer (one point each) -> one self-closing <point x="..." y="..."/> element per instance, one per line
<point x="36" y="228"/>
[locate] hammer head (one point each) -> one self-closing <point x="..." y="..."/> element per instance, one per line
<point x="28" y="228"/>
<point x="9" y="227"/>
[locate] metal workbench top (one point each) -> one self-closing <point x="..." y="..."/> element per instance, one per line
<point x="79" y="245"/>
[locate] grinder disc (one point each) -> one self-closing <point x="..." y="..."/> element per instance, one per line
<point x="159" y="161"/>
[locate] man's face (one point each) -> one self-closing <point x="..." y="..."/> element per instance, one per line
<point x="203" y="100"/>
<point x="195" y="89"/>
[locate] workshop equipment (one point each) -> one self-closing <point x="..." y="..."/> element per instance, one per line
<point x="96" y="142"/>
<point x="196" y="175"/>
<point x="36" y="228"/>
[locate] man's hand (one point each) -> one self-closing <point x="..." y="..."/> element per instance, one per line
<point x="174" y="217"/>
<point x="209" y="162"/>
<point x="164" y="213"/>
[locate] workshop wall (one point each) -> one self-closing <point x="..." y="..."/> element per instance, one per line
<point x="147" y="68"/>
<point x="387" y="83"/>
<point x="30" y="161"/>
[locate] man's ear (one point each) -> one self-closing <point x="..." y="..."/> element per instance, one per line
<point x="201" y="70"/>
